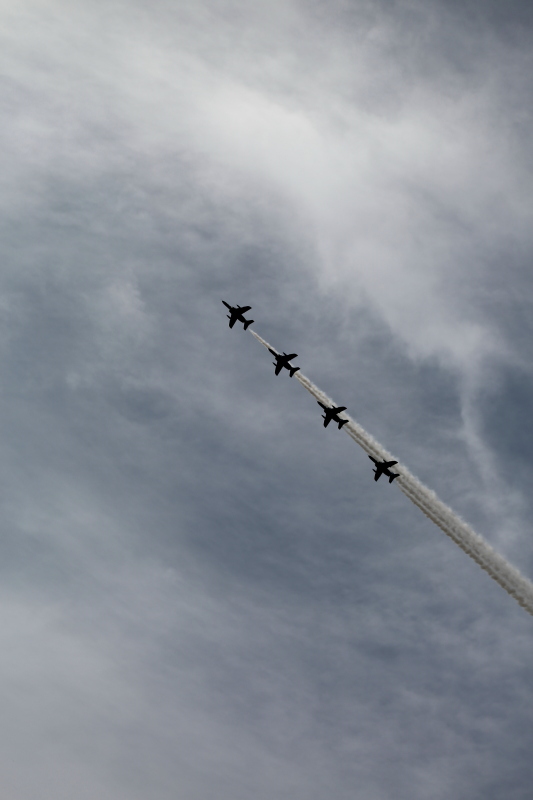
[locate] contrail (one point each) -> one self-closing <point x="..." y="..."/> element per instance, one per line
<point x="453" y="526"/>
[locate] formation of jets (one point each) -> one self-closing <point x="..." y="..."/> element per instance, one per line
<point x="282" y="361"/>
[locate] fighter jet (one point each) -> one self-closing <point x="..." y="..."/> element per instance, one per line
<point x="332" y="413"/>
<point x="382" y="468"/>
<point x="237" y="313"/>
<point x="283" y="361"/>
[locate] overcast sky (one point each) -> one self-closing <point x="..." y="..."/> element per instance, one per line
<point x="203" y="593"/>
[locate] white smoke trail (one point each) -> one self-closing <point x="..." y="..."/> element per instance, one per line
<point x="453" y="526"/>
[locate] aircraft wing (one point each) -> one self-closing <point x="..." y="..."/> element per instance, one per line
<point x="341" y="408"/>
<point x="242" y="309"/>
<point x="390" y="463"/>
<point x="291" y="356"/>
<point x="232" y="321"/>
<point x="377" y="475"/>
<point x="327" y="420"/>
<point x="278" y="369"/>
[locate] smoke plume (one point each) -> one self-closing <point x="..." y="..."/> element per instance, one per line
<point x="448" y="521"/>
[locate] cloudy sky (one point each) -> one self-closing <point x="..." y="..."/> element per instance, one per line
<point x="203" y="593"/>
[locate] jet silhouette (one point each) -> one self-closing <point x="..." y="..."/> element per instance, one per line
<point x="332" y="413"/>
<point x="283" y="361"/>
<point x="382" y="468"/>
<point x="237" y="313"/>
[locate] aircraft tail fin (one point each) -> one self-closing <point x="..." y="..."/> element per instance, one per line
<point x="247" y="322"/>
<point x="394" y="475"/>
<point x="342" y="422"/>
<point x="293" y="370"/>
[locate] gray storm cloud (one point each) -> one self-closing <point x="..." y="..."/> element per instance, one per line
<point x="507" y="576"/>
